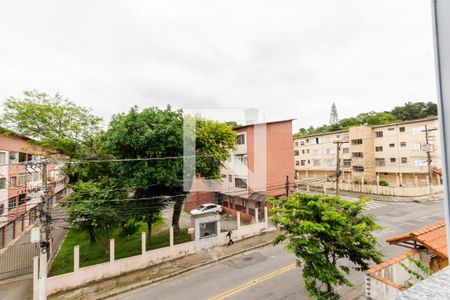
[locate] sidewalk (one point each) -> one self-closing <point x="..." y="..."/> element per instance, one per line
<point x="129" y="281"/>
<point x="21" y="287"/>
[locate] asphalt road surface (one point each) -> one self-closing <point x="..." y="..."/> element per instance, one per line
<point x="269" y="273"/>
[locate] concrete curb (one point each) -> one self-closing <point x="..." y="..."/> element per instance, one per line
<point x="148" y="282"/>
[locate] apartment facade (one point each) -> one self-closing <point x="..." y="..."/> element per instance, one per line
<point x="395" y="153"/>
<point x="259" y="168"/>
<point x="21" y="185"/>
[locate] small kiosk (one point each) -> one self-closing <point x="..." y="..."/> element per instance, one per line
<point x="206" y="230"/>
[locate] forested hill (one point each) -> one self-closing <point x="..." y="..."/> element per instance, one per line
<point x="405" y="112"/>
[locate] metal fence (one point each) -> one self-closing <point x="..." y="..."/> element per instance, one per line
<point x="17" y="260"/>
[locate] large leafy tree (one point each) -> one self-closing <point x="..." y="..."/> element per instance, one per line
<point x="151" y="133"/>
<point x="415" y="110"/>
<point x="157" y="134"/>
<point x="98" y="207"/>
<point x="53" y="122"/>
<point x="322" y="231"/>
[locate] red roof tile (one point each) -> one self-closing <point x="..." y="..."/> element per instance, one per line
<point x="433" y="237"/>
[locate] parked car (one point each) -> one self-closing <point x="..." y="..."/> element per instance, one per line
<point x="207" y="208"/>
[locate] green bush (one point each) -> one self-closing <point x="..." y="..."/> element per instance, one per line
<point x="357" y="181"/>
<point x="383" y="182"/>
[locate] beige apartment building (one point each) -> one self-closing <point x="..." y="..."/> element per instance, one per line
<point x="395" y="153"/>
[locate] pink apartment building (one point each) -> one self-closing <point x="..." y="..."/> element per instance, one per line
<point x="258" y="169"/>
<point x="20" y="186"/>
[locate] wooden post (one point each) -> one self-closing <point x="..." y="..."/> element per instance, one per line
<point x="256" y="216"/>
<point x="111" y="250"/>
<point x="143" y="243"/>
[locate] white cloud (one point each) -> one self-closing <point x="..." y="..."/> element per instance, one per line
<point x="291" y="58"/>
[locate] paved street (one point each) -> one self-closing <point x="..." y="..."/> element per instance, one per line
<point x="266" y="273"/>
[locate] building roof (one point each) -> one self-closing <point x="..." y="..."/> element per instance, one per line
<point x="430" y="118"/>
<point x="434" y="287"/>
<point x="372" y="126"/>
<point x="433" y="237"/>
<point x="260" y="123"/>
<point x="9" y="132"/>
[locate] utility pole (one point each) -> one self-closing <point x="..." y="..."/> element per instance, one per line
<point x="338" y="163"/>
<point x="428" y="149"/>
<point x="44" y="211"/>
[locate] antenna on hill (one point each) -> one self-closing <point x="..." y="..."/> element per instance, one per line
<point x="334" y="119"/>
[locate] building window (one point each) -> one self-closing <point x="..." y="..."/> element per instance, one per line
<point x="296" y="152"/>
<point x="358" y="168"/>
<point x="345" y="150"/>
<point x="240" y="182"/>
<point x="404" y="160"/>
<point x="13" y="181"/>
<point x="22" y="157"/>
<point x="22" y="179"/>
<point x="240" y="159"/>
<point x="391" y="129"/>
<point x="208" y="229"/>
<point x="316" y="162"/>
<point x="297" y="163"/>
<point x="2" y="183"/>
<point x="329" y="151"/>
<point x="392" y="159"/>
<point x="12" y="203"/>
<point x="307" y="140"/>
<point x="302" y="162"/>
<point x="345" y="137"/>
<point x="296" y="144"/>
<point x="316" y="152"/>
<point x="347" y="163"/>
<point x="401" y="129"/>
<point x="379" y="149"/>
<point x="307" y="151"/>
<point x="230" y="178"/>
<point x="378" y="134"/>
<point x="309" y="162"/>
<point x="418" y="129"/>
<point x="240" y="139"/>
<point x="331" y="162"/>
<point x="22" y="198"/>
<point x="302" y="143"/>
<point x="2" y="210"/>
<point x="357" y="154"/>
<point x="357" y="142"/>
<point x="303" y="151"/>
<point x="379" y="162"/>
<point x="391" y="145"/>
<point x="2" y="158"/>
<point x="417" y="146"/>
<point x="402" y="144"/>
<point x="420" y="162"/>
<point x="317" y="140"/>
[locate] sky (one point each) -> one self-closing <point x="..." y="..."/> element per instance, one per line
<point x="288" y="59"/>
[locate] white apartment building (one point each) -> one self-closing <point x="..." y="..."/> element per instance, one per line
<point x="395" y="153"/>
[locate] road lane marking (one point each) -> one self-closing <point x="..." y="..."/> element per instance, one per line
<point x="253" y="282"/>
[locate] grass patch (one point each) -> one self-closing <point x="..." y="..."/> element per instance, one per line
<point x="91" y="254"/>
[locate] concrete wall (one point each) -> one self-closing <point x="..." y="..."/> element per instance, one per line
<point x="387" y="279"/>
<point x="114" y="267"/>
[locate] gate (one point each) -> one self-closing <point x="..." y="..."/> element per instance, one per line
<point x="17" y="260"/>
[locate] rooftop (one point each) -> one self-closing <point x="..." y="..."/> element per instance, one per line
<point x="433" y="237"/>
<point x="434" y="287"/>
<point x="261" y="123"/>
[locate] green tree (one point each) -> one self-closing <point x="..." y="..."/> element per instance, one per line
<point x="322" y="231"/>
<point x="151" y="133"/>
<point x="98" y="207"/>
<point x="415" y="110"/>
<point x="53" y="122"/>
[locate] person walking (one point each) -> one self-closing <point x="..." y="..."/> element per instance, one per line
<point x="230" y="240"/>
